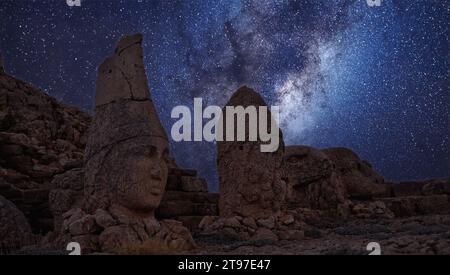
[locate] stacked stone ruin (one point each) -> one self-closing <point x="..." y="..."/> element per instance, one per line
<point x="187" y="199"/>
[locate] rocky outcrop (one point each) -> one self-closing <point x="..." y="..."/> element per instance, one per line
<point x="39" y="139"/>
<point x="249" y="180"/>
<point x="68" y="193"/>
<point x="419" y="198"/>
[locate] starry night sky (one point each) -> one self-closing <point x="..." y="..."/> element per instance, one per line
<point x="374" y="79"/>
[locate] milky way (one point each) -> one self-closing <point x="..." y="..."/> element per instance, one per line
<point x="374" y="79"/>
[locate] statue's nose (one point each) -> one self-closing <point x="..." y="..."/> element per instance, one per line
<point x="156" y="172"/>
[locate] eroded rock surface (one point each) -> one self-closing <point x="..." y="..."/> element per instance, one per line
<point x="14" y="228"/>
<point x="39" y="139"/>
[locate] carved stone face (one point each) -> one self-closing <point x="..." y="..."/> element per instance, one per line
<point x="305" y="165"/>
<point x="131" y="174"/>
<point x="311" y="179"/>
<point x="142" y="184"/>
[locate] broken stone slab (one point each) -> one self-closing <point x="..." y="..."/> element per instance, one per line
<point x="122" y="76"/>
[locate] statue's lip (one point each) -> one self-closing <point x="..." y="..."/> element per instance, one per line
<point x="154" y="177"/>
<point x="155" y="192"/>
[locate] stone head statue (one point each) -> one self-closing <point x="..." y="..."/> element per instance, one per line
<point x="127" y="149"/>
<point x="311" y="178"/>
<point x="360" y="179"/>
<point x="249" y="180"/>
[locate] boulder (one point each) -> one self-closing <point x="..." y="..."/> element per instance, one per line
<point x="14" y="228"/>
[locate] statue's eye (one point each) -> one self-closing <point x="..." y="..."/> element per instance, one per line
<point x="152" y="151"/>
<point x="165" y="154"/>
<point x="293" y="159"/>
<point x="296" y="159"/>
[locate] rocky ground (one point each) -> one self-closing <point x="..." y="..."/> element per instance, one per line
<point x="423" y="235"/>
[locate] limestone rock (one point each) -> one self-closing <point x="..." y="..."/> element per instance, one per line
<point x="14" y="227"/>
<point x="178" y="237"/>
<point x="84" y="226"/>
<point x="372" y="210"/>
<point x="103" y="219"/>
<point x="67" y="194"/>
<point x="116" y="237"/>
<point x="291" y="235"/>
<point x="39" y="138"/>
<point x="418" y="205"/>
<point x="249" y="180"/>
<point x="264" y="234"/>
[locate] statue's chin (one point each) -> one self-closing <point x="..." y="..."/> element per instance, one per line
<point x="145" y="203"/>
<point x="140" y="211"/>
